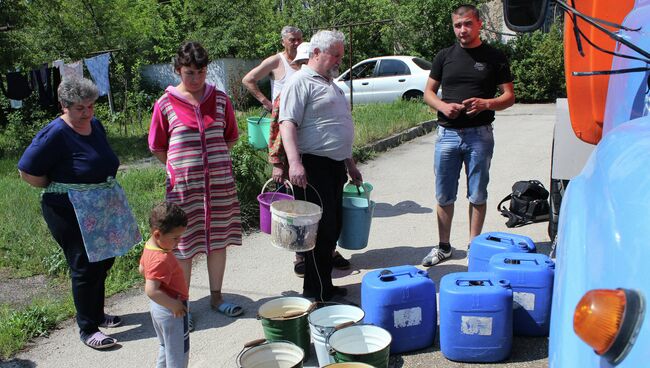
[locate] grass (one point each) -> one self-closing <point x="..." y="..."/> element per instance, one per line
<point x="19" y="326"/>
<point x="372" y="121"/>
<point x="377" y="121"/>
<point x="27" y="248"/>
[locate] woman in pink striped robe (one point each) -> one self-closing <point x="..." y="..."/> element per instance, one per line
<point x="192" y="130"/>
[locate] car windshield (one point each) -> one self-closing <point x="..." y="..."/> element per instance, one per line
<point x="423" y="64"/>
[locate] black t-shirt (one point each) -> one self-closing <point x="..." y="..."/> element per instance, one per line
<point x="465" y="73"/>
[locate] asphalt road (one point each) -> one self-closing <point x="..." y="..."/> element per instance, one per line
<point x="403" y="230"/>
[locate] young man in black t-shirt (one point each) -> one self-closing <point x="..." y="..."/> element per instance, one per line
<point x="471" y="72"/>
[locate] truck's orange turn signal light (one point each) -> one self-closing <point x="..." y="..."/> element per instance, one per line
<point x="608" y="320"/>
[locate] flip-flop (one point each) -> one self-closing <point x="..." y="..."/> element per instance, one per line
<point x="229" y="309"/>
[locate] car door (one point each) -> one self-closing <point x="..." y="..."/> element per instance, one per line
<point x="362" y="76"/>
<point x="392" y="79"/>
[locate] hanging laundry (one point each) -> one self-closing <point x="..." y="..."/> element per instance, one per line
<point x="41" y="81"/>
<point x="59" y="65"/>
<point x="72" y="70"/>
<point x="98" y="68"/>
<point x="17" y="86"/>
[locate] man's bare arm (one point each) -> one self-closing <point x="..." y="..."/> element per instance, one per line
<point x="258" y="73"/>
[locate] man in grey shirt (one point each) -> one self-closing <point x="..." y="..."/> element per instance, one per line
<point x="317" y="133"/>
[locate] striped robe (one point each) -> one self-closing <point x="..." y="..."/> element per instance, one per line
<point x="199" y="169"/>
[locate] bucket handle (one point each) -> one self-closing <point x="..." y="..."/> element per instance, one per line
<point x="365" y="193"/>
<point x="286" y="183"/>
<point x="330" y="350"/>
<point x="315" y="191"/>
<point x="262" y="117"/>
<point x="338" y="327"/>
<point x="247" y="347"/>
<point x="343" y="325"/>
<point x="251" y="344"/>
<point x="309" y="309"/>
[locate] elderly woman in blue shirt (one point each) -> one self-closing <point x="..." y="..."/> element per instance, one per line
<point x="74" y="149"/>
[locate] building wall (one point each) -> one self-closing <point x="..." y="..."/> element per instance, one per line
<point x="225" y="74"/>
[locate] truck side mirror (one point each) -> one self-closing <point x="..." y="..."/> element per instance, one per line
<point x="524" y="15"/>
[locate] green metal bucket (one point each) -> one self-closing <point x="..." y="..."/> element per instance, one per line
<point x="349" y="365"/>
<point x="285" y="319"/>
<point x="258" y="131"/>
<point x="361" y="343"/>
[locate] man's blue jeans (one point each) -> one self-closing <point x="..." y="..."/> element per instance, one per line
<point x="455" y="147"/>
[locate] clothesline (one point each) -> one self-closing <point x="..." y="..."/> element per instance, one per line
<point x="45" y="80"/>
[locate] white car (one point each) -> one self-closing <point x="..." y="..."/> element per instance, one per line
<point x="386" y="79"/>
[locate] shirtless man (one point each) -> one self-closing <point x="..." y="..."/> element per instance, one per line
<point x="278" y="66"/>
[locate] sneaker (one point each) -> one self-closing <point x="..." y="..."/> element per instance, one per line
<point x="435" y="256"/>
<point x="98" y="340"/>
<point x="110" y="321"/>
<point x="339" y="262"/>
<point x="299" y="268"/>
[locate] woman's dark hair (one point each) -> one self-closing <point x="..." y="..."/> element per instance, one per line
<point x="191" y="53"/>
<point x="167" y="216"/>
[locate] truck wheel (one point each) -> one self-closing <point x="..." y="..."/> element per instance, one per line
<point x="557" y="188"/>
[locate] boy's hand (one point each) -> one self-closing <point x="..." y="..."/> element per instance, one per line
<point x="178" y="309"/>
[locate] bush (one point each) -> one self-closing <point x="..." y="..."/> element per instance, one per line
<point x="537" y="63"/>
<point x="251" y="171"/>
<point x="18" y="127"/>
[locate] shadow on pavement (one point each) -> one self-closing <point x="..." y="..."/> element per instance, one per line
<point x="206" y="318"/>
<point x="17" y="363"/>
<point x="544" y="247"/>
<point x="373" y="259"/>
<point x="400" y="208"/>
<point x="141" y="327"/>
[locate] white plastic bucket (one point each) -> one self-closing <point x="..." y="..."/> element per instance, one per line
<point x="322" y="323"/>
<point x="294" y="224"/>
<point x="279" y="354"/>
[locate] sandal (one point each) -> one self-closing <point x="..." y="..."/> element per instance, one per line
<point x="99" y="341"/>
<point x="229" y="309"/>
<point x="110" y="321"/>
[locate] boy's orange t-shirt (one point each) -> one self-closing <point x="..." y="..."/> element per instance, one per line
<point x="163" y="267"/>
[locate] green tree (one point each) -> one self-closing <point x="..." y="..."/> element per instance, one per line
<point x="12" y="19"/>
<point x="537" y="63"/>
<point x="424" y="27"/>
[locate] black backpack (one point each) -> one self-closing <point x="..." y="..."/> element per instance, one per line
<point x="528" y="204"/>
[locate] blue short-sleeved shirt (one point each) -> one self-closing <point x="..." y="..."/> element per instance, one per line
<point x="66" y="156"/>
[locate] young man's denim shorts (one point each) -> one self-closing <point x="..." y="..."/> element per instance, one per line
<point x="474" y="148"/>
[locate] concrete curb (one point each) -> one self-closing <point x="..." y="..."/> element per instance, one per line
<point x="401" y="137"/>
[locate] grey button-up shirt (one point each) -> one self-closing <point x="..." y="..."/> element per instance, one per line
<point x="321" y="114"/>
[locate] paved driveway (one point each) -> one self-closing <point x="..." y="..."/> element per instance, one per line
<point x="403" y="229"/>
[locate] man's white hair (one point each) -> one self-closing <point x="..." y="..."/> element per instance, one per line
<point x="323" y="40"/>
<point x="286" y="30"/>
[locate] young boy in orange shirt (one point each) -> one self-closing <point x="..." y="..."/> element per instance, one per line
<point x="165" y="285"/>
